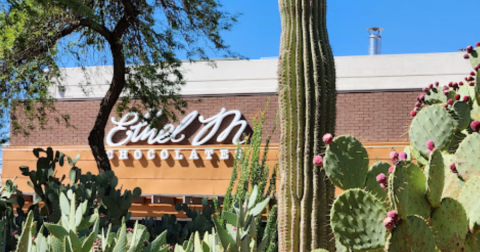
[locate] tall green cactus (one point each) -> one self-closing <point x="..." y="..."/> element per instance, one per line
<point x="307" y="100"/>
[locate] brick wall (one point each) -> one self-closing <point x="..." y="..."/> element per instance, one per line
<point x="371" y="117"/>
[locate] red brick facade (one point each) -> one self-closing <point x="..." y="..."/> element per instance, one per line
<point x="371" y="117"/>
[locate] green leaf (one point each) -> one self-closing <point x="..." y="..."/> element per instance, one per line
<point x="136" y="192"/>
<point x="159" y="241"/>
<point x="76" y="159"/>
<point x="253" y="197"/>
<point x="25" y="241"/>
<point x="121" y="244"/>
<point x="230" y="218"/>
<point x="258" y="209"/>
<point x="56" y="230"/>
<point x="225" y="238"/>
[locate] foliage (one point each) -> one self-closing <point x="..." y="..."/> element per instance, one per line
<point x="143" y="39"/>
<point x="75" y="233"/>
<point x="240" y="234"/>
<point x="200" y="221"/>
<point x="307" y="105"/>
<point x="433" y="204"/>
<point x="99" y="190"/>
<point x="250" y="168"/>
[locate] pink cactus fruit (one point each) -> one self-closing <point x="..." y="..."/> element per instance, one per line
<point x="466" y="98"/>
<point x="457" y="97"/>
<point x="430" y="145"/>
<point x="471" y="84"/>
<point x="455" y="85"/>
<point x="477" y="44"/>
<point x="394" y="215"/>
<point x="472" y="73"/>
<point x="14" y="233"/>
<point x="445" y="92"/>
<point x="413" y="113"/>
<point x="394" y="156"/>
<point x="234" y="229"/>
<point x="466" y="56"/>
<point x="318" y="160"/>
<point x="437" y="83"/>
<point x="383" y="186"/>
<point x="418" y="104"/>
<point x="475" y="125"/>
<point x="391" y="169"/>
<point x="453" y="168"/>
<point x="469" y="49"/>
<point x="450" y="102"/>
<point x="328" y="138"/>
<point x="389" y="223"/>
<point x="460" y="83"/>
<point x="425" y="90"/>
<point x="382" y="179"/>
<point x="445" y="88"/>
<point x="421" y="97"/>
<point x="402" y="156"/>
<point x="430" y="86"/>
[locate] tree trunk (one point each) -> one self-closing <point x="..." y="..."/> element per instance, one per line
<point x="97" y="135"/>
<point x="307" y="98"/>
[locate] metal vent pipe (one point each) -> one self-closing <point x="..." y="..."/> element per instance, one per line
<point x="375" y="39"/>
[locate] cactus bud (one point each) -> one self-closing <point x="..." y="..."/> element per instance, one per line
<point x="457" y="97"/>
<point x="389" y="223"/>
<point x="430" y="145"/>
<point x="469" y="49"/>
<point x="318" y="160"/>
<point x="394" y="156"/>
<point x="394" y="215"/>
<point x="328" y="138"/>
<point x="453" y="168"/>
<point x="421" y="97"/>
<point x="382" y="179"/>
<point x="475" y="125"/>
<point x="390" y="170"/>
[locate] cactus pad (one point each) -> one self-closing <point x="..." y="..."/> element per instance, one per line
<point x="461" y="114"/>
<point x="432" y="123"/>
<point x="346" y="162"/>
<point x="453" y="185"/>
<point x="475" y="113"/>
<point x="409" y="191"/>
<point x="434" y="96"/>
<point x="357" y="220"/>
<point x="469" y="199"/>
<point x="412" y="234"/>
<point x="435" y="175"/>
<point x="419" y="157"/>
<point x="450" y="225"/>
<point x="371" y="183"/>
<point x="468" y="157"/>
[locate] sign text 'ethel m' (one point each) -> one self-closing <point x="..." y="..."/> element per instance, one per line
<point x="136" y="131"/>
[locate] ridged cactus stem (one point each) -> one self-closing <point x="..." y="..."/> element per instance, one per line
<point x="307" y="106"/>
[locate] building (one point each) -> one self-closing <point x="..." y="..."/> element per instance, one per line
<point x="375" y="97"/>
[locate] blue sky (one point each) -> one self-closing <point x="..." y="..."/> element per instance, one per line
<point x="411" y="26"/>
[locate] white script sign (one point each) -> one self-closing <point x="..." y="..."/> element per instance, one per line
<point x="140" y="131"/>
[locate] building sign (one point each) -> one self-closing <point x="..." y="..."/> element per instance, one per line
<point x="136" y="131"/>
<point x="139" y="131"/>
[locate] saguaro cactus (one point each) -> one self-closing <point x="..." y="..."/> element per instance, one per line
<point x="307" y="107"/>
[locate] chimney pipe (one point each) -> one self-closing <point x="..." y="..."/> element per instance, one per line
<point x="375" y="38"/>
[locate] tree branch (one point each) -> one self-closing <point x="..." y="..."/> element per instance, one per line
<point x="101" y="29"/>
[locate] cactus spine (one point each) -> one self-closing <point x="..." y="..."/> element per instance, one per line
<point x="307" y="105"/>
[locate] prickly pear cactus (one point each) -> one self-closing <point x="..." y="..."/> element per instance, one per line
<point x="428" y="199"/>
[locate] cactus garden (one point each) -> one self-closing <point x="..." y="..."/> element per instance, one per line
<point x="426" y="197"/>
